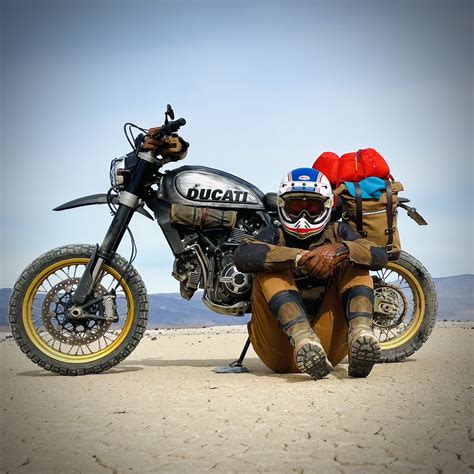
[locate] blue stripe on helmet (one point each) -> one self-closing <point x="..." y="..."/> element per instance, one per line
<point x="311" y="173"/>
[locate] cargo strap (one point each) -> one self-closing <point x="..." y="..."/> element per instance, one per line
<point x="390" y="229"/>
<point x="359" y="220"/>
<point x="204" y="214"/>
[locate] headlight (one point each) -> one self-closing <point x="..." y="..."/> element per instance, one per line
<point x="117" y="173"/>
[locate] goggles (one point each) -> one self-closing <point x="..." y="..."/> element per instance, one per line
<point x="313" y="207"/>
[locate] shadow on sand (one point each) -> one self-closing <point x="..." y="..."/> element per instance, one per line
<point x="254" y="366"/>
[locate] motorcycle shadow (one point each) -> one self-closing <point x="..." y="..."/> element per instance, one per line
<point x="254" y="366"/>
<point x="156" y="362"/>
<point x="113" y="371"/>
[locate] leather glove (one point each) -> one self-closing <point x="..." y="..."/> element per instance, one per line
<point x="320" y="262"/>
<point x="173" y="148"/>
<point x="149" y="143"/>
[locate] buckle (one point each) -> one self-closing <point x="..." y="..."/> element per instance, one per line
<point x="389" y="248"/>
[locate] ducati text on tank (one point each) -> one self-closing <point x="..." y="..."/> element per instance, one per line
<point x="210" y="186"/>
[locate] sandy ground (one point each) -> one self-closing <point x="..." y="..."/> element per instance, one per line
<point x="165" y="410"/>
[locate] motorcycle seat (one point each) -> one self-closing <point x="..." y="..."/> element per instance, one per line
<point x="270" y="202"/>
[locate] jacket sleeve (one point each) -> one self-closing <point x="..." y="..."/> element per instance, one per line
<point x="362" y="252"/>
<point x="264" y="253"/>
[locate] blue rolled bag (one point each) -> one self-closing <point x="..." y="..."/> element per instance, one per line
<point x="370" y="207"/>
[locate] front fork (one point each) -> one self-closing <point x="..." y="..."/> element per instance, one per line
<point x="128" y="203"/>
<point x="102" y="254"/>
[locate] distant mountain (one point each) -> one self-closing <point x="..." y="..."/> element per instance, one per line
<point x="4" y="297"/>
<point x="170" y="310"/>
<point x="455" y="298"/>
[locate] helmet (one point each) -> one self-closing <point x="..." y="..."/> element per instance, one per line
<point x="305" y="202"/>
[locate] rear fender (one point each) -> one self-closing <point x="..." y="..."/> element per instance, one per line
<point x="96" y="199"/>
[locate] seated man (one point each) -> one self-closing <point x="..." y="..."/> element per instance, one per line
<point x="312" y="300"/>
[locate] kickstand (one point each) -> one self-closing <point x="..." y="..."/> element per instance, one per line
<point x="235" y="367"/>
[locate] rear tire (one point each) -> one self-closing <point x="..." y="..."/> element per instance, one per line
<point x="38" y="313"/>
<point x="407" y="310"/>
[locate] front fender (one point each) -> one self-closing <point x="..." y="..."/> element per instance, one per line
<point x="96" y="199"/>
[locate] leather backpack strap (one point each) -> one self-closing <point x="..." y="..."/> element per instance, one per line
<point x="359" y="221"/>
<point x="390" y="230"/>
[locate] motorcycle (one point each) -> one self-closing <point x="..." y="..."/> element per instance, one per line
<point x="81" y="309"/>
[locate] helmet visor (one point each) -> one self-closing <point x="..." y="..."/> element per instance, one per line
<point x="313" y="207"/>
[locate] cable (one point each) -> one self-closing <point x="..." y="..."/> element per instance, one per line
<point x="110" y="200"/>
<point x="129" y="131"/>
<point x="133" y="255"/>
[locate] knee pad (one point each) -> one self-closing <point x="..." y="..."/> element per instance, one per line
<point x="288" y="309"/>
<point x="358" y="301"/>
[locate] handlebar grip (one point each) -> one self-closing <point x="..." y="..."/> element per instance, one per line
<point x="170" y="128"/>
<point x="176" y="125"/>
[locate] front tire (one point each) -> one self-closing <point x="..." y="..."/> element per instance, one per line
<point x="38" y="313"/>
<point x="405" y="307"/>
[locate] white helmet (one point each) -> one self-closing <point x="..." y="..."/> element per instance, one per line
<point x="305" y="201"/>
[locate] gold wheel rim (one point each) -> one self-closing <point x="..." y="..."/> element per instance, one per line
<point x="35" y="338"/>
<point x="418" y="308"/>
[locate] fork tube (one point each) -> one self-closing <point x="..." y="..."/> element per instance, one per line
<point x="128" y="202"/>
<point x="116" y="230"/>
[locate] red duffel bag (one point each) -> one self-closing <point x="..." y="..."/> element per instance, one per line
<point x="352" y="167"/>
<point x="328" y="164"/>
<point x="363" y="164"/>
<point x="374" y="164"/>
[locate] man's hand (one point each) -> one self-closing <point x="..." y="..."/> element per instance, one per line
<point x="321" y="261"/>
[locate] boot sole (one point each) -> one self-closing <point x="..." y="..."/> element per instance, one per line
<point x="311" y="360"/>
<point x="364" y="354"/>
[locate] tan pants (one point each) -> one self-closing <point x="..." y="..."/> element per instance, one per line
<point x="268" y="339"/>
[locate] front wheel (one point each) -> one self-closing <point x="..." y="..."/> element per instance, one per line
<point x="405" y="307"/>
<point x="47" y="335"/>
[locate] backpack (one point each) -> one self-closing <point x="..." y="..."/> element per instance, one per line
<point x="352" y="167"/>
<point x="374" y="218"/>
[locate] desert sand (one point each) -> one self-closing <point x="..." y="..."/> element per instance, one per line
<point x="165" y="410"/>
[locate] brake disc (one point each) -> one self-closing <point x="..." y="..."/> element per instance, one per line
<point x="74" y="332"/>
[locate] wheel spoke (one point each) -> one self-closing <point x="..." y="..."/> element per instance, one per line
<point x="65" y="273"/>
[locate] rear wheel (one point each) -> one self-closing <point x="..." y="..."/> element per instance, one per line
<point x="405" y="307"/>
<point x="40" y="320"/>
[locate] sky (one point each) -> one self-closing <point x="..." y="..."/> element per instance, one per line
<point x="265" y="87"/>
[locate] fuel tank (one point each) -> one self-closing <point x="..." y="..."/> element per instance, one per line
<point x="208" y="187"/>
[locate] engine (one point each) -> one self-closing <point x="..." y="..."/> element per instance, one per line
<point x="230" y="285"/>
<point x="215" y="270"/>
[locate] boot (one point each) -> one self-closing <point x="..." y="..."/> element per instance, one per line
<point x="289" y="311"/>
<point x="364" y="347"/>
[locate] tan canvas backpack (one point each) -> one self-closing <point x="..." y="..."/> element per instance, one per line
<point x="374" y="219"/>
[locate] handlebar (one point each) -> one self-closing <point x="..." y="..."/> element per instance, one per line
<point x="169" y="128"/>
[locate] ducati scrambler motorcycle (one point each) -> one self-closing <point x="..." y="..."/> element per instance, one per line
<point x="81" y="309"/>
